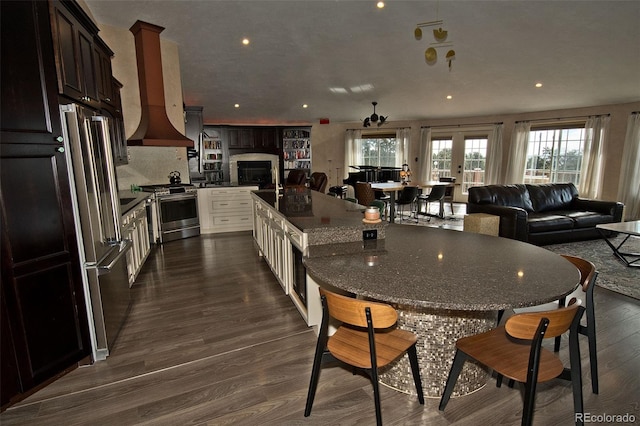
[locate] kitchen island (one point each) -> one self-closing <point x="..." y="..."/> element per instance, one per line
<point x="287" y="224"/>
<point x="445" y="285"/>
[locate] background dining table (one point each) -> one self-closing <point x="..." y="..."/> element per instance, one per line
<point x="392" y="188"/>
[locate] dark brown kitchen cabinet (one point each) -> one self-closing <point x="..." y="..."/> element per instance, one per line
<point x="73" y="40"/>
<point x="102" y="57"/>
<point x="113" y="110"/>
<point x="266" y="137"/>
<point x="45" y="330"/>
<point x="241" y="137"/>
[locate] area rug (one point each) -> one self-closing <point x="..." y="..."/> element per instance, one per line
<point x="612" y="273"/>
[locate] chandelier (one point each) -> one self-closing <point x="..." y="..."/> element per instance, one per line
<point x="374" y="118"/>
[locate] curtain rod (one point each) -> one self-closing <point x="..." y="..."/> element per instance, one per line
<point x="366" y="129"/>
<point x="461" y="125"/>
<point x="582" y="117"/>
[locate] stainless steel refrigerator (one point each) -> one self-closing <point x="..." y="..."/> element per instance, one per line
<point x="87" y="142"/>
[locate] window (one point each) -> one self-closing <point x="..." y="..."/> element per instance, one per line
<point x="441" y="155"/>
<point x="379" y="151"/>
<point x="554" y="155"/>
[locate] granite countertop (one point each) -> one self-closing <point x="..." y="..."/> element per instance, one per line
<point x="129" y="200"/>
<point x="323" y="217"/>
<point x="444" y="269"/>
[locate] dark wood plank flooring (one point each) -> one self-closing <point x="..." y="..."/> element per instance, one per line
<point x="213" y="340"/>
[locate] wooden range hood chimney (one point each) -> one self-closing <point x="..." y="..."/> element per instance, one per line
<point x="154" y="129"/>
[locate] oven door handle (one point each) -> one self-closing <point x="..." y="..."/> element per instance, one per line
<point x="178" y="196"/>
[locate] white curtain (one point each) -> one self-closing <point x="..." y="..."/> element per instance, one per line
<point x="402" y="141"/>
<point x="494" y="156"/>
<point x="425" y="154"/>
<point x="629" y="186"/>
<point x="518" y="153"/>
<point x="596" y="130"/>
<point x="352" y="150"/>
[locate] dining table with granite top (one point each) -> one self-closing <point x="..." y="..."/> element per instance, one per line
<point x="445" y="285"/>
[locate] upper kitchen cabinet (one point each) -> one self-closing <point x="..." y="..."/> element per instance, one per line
<point x="262" y="139"/>
<point x="240" y="137"/>
<point x="29" y="109"/>
<point x="102" y="57"/>
<point x="266" y="137"/>
<point x="73" y="38"/>
<point x="113" y="110"/>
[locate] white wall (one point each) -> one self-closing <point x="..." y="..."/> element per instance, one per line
<point x="327" y="140"/>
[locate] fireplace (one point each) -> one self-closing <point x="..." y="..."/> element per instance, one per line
<point x="255" y="173"/>
<point x="254" y="169"/>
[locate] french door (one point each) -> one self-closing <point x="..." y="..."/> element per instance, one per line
<point x="462" y="155"/>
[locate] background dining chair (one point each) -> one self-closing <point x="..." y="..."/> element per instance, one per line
<point x="296" y="177"/>
<point x="364" y="193"/>
<point x="318" y="181"/>
<point x="436" y="195"/>
<point x="515" y="351"/>
<point x="448" y="190"/>
<point x="366" y="340"/>
<point x="407" y="197"/>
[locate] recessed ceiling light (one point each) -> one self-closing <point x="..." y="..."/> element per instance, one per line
<point x="305" y="106"/>
<point x="380" y="4"/>
<point x="245" y="41"/>
<point x="237" y="105"/>
<point x="538" y="85"/>
<point x="449" y="97"/>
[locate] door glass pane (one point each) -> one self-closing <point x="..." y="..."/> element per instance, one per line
<point x="475" y="157"/>
<point x="441" y="150"/>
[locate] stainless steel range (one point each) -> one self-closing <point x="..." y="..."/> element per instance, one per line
<point x="175" y="213"/>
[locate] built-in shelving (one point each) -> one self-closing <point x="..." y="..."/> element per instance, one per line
<point x="296" y="150"/>
<point x="212" y="159"/>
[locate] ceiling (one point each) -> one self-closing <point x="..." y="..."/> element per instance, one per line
<point x="337" y="56"/>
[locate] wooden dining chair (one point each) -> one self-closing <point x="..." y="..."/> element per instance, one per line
<point x="588" y="275"/>
<point x="515" y="351"/>
<point x="366" y="340"/>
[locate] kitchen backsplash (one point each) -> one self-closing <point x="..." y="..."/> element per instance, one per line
<point x="150" y="165"/>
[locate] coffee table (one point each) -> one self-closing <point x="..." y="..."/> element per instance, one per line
<point x="631" y="229"/>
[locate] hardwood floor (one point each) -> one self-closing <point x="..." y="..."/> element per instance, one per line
<point x="213" y="340"/>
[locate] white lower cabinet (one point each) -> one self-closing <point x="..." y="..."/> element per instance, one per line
<point x="135" y="227"/>
<point x="225" y="209"/>
<point x="283" y="245"/>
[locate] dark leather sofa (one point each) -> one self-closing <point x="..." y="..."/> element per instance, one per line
<point x="543" y="214"/>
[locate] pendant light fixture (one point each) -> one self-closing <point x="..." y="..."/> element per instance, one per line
<point x="374" y="118"/>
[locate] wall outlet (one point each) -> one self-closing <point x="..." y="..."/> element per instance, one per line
<point x="369" y="234"/>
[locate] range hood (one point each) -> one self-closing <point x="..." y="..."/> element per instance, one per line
<point x="154" y="129"/>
